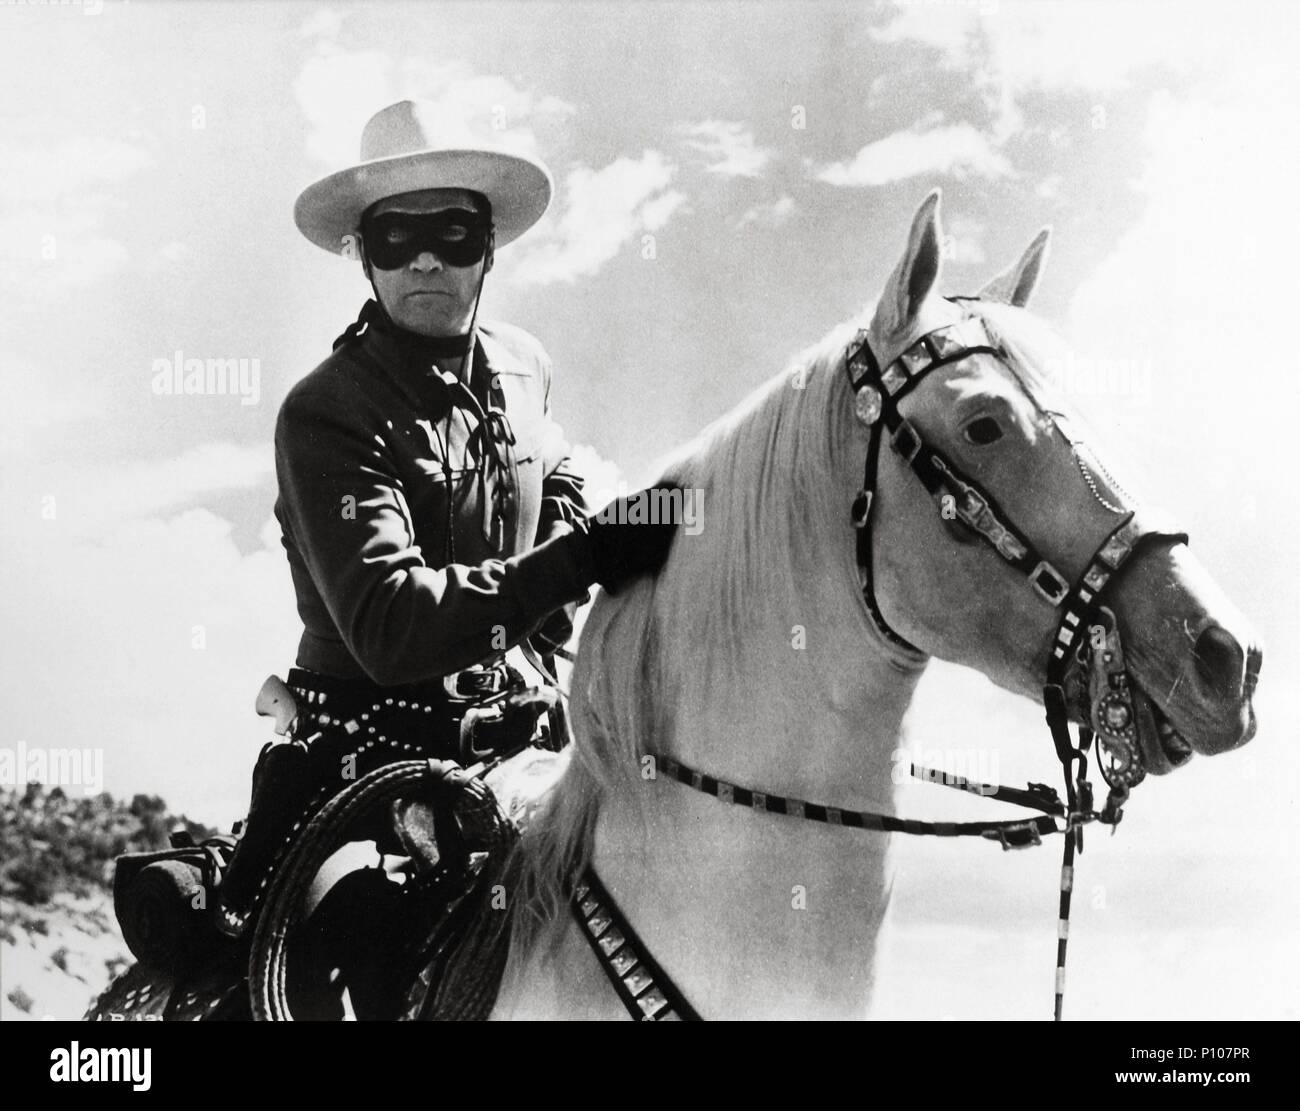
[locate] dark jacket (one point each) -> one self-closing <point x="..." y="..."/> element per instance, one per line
<point x="384" y="589"/>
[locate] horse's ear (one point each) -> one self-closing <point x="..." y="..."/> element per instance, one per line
<point x="916" y="274"/>
<point x="1015" y="285"/>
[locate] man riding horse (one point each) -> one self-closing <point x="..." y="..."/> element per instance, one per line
<point x="432" y="520"/>
<point x="430" y="513"/>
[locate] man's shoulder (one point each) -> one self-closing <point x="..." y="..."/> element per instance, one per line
<point x="331" y="384"/>
<point x="333" y="380"/>
<point x="517" y="343"/>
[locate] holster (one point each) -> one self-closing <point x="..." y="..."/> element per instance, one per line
<point x="340" y="732"/>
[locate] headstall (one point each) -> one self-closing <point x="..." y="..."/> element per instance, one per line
<point x="1087" y="634"/>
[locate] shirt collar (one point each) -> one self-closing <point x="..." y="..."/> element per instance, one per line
<point x="499" y="358"/>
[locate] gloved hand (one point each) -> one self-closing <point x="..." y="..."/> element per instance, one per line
<point x="621" y="550"/>
<point x="554" y="632"/>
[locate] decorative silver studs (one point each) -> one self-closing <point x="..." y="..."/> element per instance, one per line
<point x="1096" y="577"/>
<point x="947" y="341"/>
<point x="637" y="980"/>
<point x="916" y="358"/>
<point x="867" y="405"/>
<point x="893" y="378"/>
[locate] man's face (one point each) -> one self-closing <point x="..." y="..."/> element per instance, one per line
<point x="427" y="295"/>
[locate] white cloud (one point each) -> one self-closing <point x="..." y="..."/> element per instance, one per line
<point x="603" y="210"/>
<point x="1050" y="187"/>
<point x="1214" y="237"/>
<point x="324" y="23"/>
<point x="957" y="149"/>
<point x="659" y="209"/>
<point x="1096" y="46"/>
<point x="483" y="108"/>
<point x="729" y="144"/>
<point x="51" y="214"/>
<point x="602" y="476"/>
<point x="1005" y="50"/>
<point x="175" y="253"/>
<point x="171" y="630"/>
<point x="63" y="169"/>
<point x="339" y="90"/>
<point x="35" y="401"/>
<point x="95" y="502"/>
<point x="771" y="214"/>
<point x="76" y="263"/>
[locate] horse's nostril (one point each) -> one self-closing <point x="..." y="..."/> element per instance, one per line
<point x="1219" y="661"/>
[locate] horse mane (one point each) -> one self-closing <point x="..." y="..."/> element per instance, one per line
<point x="1032" y="345"/>
<point x="761" y="471"/>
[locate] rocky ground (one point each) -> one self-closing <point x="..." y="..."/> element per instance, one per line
<point x="59" y="941"/>
<point x="55" y="959"/>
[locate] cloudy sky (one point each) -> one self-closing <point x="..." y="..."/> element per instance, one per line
<point x="733" y="180"/>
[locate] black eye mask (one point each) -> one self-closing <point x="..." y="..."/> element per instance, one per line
<point x="457" y="236"/>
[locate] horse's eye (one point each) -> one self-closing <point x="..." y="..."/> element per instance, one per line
<point x="983" y="430"/>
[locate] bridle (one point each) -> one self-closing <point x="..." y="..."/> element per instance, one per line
<point x="1087" y="631"/>
<point x="1087" y="634"/>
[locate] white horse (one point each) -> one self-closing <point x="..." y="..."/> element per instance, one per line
<point x="753" y="657"/>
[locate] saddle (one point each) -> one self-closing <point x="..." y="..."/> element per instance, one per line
<point x="426" y="940"/>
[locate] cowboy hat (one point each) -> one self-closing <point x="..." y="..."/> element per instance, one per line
<point x="400" y="155"/>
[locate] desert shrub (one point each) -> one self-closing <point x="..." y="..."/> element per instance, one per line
<point x="51" y="843"/>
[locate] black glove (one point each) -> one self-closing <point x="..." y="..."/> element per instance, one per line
<point x="621" y="550"/>
<point x="555" y="631"/>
